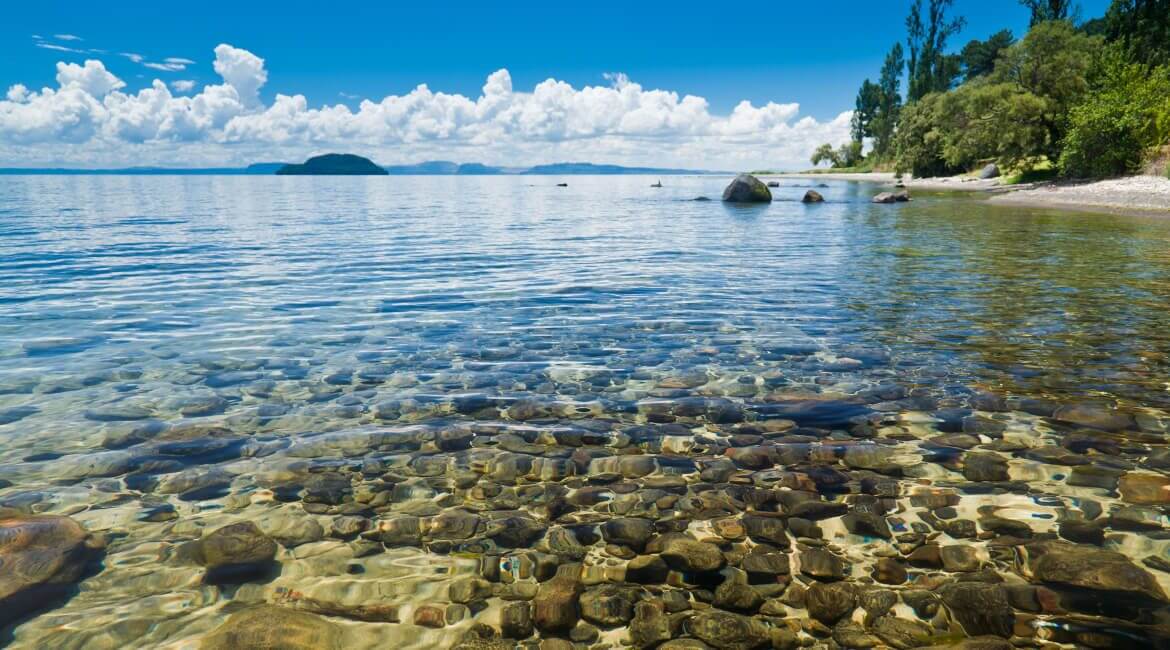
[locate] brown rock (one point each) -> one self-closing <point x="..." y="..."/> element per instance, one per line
<point x="40" y="558"/>
<point x="556" y="602"/>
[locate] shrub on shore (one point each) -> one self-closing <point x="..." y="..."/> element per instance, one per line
<point x="1126" y="117"/>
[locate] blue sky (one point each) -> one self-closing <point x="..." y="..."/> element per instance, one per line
<point x="811" y="54"/>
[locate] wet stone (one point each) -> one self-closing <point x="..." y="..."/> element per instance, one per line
<point x="737" y="597"/>
<point x="980" y="608"/>
<point x="556" y="603"/>
<point x="608" y="606"/>
<point x="626" y="531"/>
<point x="234" y="553"/>
<point x="686" y="554"/>
<point x="1144" y="489"/>
<point x="821" y="564"/>
<point x="1086" y="567"/>
<point x="40" y="559"/>
<point x="650" y="625"/>
<point x="516" y="620"/>
<point x="829" y="602"/>
<point x="727" y="631"/>
<point x="901" y="633"/>
<point x="265" y="626"/>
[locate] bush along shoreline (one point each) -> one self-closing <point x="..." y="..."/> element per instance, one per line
<point x="1071" y="98"/>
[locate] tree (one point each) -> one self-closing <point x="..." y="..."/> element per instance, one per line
<point x="1046" y="10"/>
<point x="825" y="153"/>
<point x="886" y="120"/>
<point x="849" y="154"/>
<point x="869" y="101"/>
<point x="1142" y="28"/>
<point x="978" y="57"/>
<point x="1125" y="117"/>
<point x="931" y="69"/>
<point x="1054" y="62"/>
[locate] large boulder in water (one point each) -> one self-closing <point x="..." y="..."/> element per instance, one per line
<point x="747" y="189"/>
<point x="812" y="196"/>
<point x="40" y="559"/>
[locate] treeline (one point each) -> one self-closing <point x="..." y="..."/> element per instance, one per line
<point x="1083" y="98"/>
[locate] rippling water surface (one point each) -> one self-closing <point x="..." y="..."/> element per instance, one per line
<point x="434" y="392"/>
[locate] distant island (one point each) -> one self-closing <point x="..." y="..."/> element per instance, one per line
<point x="333" y="164"/>
<point x="428" y="168"/>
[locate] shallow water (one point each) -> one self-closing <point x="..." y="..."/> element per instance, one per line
<point x="182" y="353"/>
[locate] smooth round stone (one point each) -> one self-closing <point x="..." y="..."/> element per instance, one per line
<point x="1144" y="489"/>
<point x="686" y="554"/>
<point x="266" y="627"/>
<point x="727" y="630"/>
<point x="627" y="531"/>
<point x="236" y="550"/>
<point x="829" y="602"/>
<point x="821" y="564"/>
<point x="1094" y="416"/>
<point x="608" y="605"/>
<point x="40" y="558"/>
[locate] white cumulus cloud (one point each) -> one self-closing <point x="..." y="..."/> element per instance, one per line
<point x="91" y="118"/>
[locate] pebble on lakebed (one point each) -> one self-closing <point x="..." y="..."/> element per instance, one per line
<point x="703" y="512"/>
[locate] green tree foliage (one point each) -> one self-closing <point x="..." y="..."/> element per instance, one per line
<point x="1053" y="62"/>
<point x="866" y="108"/>
<point x="1126" y="116"/>
<point x="1017" y="114"/>
<point x="1141" y="28"/>
<point x="1046" y="10"/>
<point x="886" y="120"/>
<point x="978" y="57"/>
<point x="825" y="153"/>
<point x="847" y="155"/>
<point x="930" y="68"/>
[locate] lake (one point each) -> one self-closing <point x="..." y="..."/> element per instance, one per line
<point x="353" y="412"/>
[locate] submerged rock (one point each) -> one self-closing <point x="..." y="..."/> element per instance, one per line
<point x="266" y="627"/>
<point x="979" y="607"/>
<point x="1088" y="567"/>
<point x="746" y="188"/>
<point x="40" y="559"/>
<point x="556" y="603"/>
<point x="235" y="553"/>
<point x="727" y="631"/>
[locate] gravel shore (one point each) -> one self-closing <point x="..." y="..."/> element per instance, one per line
<point x="1133" y="194"/>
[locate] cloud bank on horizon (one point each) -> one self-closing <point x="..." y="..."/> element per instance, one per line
<point x="91" y="119"/>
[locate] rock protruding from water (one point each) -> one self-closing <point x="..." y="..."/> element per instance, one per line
<point x="812" y="196"/>
<point x="333" y="164"/>
<point x="900" y="196"/>
<point x="991" y="170"/>
<point x="40" y="559"/>
<point x="747" y="189"/>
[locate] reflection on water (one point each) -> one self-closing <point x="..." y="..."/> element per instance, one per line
<point x="420" y="411"/>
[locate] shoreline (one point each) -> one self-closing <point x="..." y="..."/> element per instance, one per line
<point x="1142" y="196"/>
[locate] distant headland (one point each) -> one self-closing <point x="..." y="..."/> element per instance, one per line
<point x="342" y="162"/>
